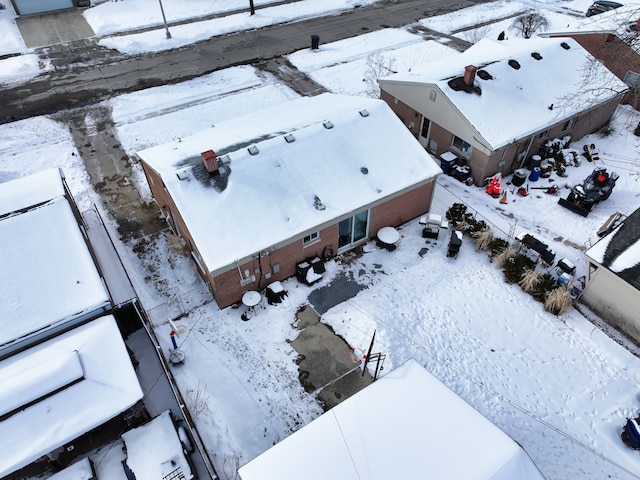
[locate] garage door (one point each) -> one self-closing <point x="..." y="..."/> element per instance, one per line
<point x="26" y="7"/>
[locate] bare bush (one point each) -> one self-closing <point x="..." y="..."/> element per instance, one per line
<point x="378" y="66"/>
<point x="197" y="399"/>
<point x="558" y="301"/>
<point x="529" y="24"/>
<point x="477" y="34"/>
<point x="529" y="280"/>
<point x="501" y="258"/>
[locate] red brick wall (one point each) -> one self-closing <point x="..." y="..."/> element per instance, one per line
<point x="616" y="55"/>
<point x="401" y="209"/>
<point x="407" y="114"/>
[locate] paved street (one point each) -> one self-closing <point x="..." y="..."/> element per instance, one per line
<point x="85" y="73"/>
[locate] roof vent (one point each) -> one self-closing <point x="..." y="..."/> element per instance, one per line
<point x="327" y="124"/>
<point x="364" y="113"/>
<point x="253" y="150"/>
<point x="182" y="175"/>
<point x="536" y="55"/>
<point x="484" y="75"/>
<point x="364" y="170"/>
<point x="289" y="138"/>
<point x="317" y="203"/>
<point x="514" y="64"/>
<point x="565" y="45"/>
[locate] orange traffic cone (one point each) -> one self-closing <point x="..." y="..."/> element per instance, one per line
<point x="504" y="197"/>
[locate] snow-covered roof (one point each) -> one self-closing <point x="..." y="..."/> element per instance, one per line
<point x="406" y="425"/>
<point x="349" y="152"/>
<point x="619" y="251"/>
<point x="47" y="275"/>
<point x="58" y="390"/>
<point x="525" y="93"/>
<point x="154" y="450"/>
<point x="81" y="470"/>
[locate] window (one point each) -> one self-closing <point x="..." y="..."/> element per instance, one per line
<point x="425" y="128"/>
<point x="632" y="79"/>
<point x="544" y="134"/>
<point x="461" y="146"/>
<point x="313" y="237"/>
<point x="569" y="124"/>
<point x="432" y="95"/>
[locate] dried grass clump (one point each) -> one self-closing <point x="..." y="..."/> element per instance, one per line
<point x="501" y="258"/>
<point x="529" y="280"/>
<point x="483" y="240"/>
<point x="558" y="301"/>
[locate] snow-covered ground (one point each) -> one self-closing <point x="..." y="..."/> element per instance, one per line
<point x="558" y="385"/>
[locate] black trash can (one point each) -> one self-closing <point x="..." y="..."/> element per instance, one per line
<point x="315" y="42"/>
<point x="519" y="177"/>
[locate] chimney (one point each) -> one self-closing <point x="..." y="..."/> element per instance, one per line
<point x="470" y="74"/>
<point x="210" y="160"/>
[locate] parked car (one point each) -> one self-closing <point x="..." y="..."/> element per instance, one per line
<point x="602" y="6"/>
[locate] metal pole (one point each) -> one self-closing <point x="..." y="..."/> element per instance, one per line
<point x="166" y="27"/>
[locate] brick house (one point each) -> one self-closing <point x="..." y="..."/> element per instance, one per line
<point x="496" y="104"/>
<point x="254" y="196"/>
<point x="612" y="39"/>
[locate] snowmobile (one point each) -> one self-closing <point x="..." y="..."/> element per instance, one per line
<point x="595" y="188"/>
<point x="631" y="433"/>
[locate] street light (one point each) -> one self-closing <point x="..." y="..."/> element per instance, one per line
<point x="166" y="27"/>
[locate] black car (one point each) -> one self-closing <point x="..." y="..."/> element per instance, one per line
<point x="602" y="6"/>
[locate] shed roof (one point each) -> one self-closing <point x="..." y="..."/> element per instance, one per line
<point x="516" y="101"/>
<point x="619" y="251"/>
<point x="47" y="274"/>
<point x="58" y="390"/>
<point x="405" y="425"/>
<point x="349" y="152"/>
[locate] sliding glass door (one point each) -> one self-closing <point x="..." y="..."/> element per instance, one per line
<point x="353" y="229"/>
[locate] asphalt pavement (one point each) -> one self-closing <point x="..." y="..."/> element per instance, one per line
<point x="85" y="73"/>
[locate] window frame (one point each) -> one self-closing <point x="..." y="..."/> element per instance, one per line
<point x="313" y="237"/>
<point x="569" y="124"/>
<point x="461" y="148"/>
<point x="631" y="73"/>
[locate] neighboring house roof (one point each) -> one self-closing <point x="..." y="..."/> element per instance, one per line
<point x="405" y="425"/>
<point x="620" y="21"/>
<point x="154" y="450"/>
<point x="61" y="389"/>
<point x="47" y="275"/>
<point x="514" y="102"/>
<point x="619" y="251"/>
<point x="267" y="199"/>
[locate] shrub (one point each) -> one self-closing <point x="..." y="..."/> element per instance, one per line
<point x="545" y="285"/>
<point x="497" y="246"/>
<point x="558" y="301"/>
<point x="515" y="266"/>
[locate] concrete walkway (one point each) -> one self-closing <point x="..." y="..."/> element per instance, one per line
<point x="325" y="363"/>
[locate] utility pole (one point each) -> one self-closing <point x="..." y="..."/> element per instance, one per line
<point x="251" y="7"/>
<point x="164" y="19"/>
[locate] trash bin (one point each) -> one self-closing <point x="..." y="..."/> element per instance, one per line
<point x="535" y="174"/>
<point x="536" y="160"/>
<point x="519" y="177"/>
<point x="315" y="42"/>
<point x="447" y="160"/>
